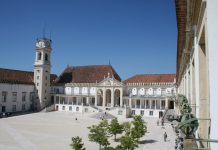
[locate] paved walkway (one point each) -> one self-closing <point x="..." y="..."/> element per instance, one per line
<point x="53" y="131"/>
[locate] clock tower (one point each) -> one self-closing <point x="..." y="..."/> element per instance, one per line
<point x="42" y="68"/>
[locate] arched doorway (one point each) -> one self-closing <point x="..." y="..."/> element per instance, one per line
<point x="171" y="105"/>
<point x="117" y="97"/>
<point x="108" y="97"/>
<point x="160" y="114"/>
<point x="99" y="97"/>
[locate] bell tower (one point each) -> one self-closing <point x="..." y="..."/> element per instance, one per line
<point x="42" y="68"/>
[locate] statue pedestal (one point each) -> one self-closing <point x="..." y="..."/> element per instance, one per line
<point x="188" y="144"/>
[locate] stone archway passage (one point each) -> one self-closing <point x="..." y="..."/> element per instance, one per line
<point x="117" y="97"/>
<point x="99" y="97"/>
<point x="171" y="105"/>
<point x="108" y="97"/>
<point x="160" y="114"/>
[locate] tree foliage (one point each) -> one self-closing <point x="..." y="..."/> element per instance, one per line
<point x="99" y="134"/>
<point x="139" y="128"/>
<point x="115" y="128"/>
<point x="77" y="143"/>
<point x="128" y="143"/>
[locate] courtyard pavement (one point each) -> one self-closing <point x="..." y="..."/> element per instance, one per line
<point x="54" y="130"/>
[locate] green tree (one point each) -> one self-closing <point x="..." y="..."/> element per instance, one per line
<point x="99" y="134"/>
<point x="127" y="143"/>
<point x="139" y="128"/>
<point x="127" y="128"/>
<point x="115" y="128"/>
<point x="77" y="143"/>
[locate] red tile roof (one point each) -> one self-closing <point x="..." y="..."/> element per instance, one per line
<point x="151" y="78"/>
<point x="19" y="76"/>
<point x="86" y="74"/>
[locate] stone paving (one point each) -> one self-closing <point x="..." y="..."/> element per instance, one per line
<point x="53" y="131"/>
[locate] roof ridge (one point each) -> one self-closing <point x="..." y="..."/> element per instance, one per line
<point x="16" y="70"/>
<point x="157" y="74"/>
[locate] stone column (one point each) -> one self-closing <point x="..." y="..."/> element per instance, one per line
<point x="96" y="97"/>
<point x="104" y="97"/>
<point x="54" y="99"/>
<point x="150" y="102"/>
<point x="166" y="103"/>
<point x="121" y="97"/>
<point x="87" y="100"/>
<point x="155" y="104"/>
<point x="112" y="98"/>
<point x="130" y="102"/>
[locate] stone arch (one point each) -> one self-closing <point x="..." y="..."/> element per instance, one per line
<point x="46" y="57"/>
<point x="117" y="97"/>
<point x="99" y="97"/>
<point x="39" y="56"/>
<point x="108" y="97"/>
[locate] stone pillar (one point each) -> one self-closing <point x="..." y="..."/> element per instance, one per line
<point x="96" y="97"/>
<point x="77" y="101"/>
<point x="112" y="98"/>
<point x="166" y="103"/>
<point x="155" y="104"/>
<point x="121" y="97"/>
<point x="104" y="97"/>
<point x="54" y="99"/>
<point x="87" y="100"/>
<point x="150" y="102"/>
<point x="130" y="102"/>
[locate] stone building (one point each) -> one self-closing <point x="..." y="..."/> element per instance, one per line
<point x="84" y="89"/>
<point x="17" y="90"/>
<point x="89" y="88"/>
<point x="197" y="73"/>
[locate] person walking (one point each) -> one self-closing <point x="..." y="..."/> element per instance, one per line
<point x="165" y="136"/>
<point x="157" y="122"/>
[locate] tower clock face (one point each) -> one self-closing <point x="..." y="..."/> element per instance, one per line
<point x="40" y="44"/>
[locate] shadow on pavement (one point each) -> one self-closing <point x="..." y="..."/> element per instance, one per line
<point x="147" y="141"/>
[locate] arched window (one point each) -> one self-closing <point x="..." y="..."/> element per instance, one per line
<point x="46" y="57"/>
<point x="39" y="56"/>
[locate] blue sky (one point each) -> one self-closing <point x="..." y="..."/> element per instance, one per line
<point x="137" y="36"/>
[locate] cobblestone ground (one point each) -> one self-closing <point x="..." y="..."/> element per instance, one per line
<point x="53" y="131"/>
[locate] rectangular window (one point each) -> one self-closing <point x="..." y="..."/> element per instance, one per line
<point x="163" y="104"/>
<point x="147" y="104"/>
<point x="32" y="96"/>
<point x="23" y="96"/>
<point x="57" y="99"/>
<point x="4" y="96"/>
<point x="14" y="96"/>
<point x="151" y="113"/>
<point x="70" y="108"/>
<point x="70" y="101"/>
<point x="13" y="108"/>
<point x="153" y="104"/>
<point x="74" y="101"/>
<point x="133" y="112"/>
<point x="23" y="107"/>
<point x="62" y="100"/>
<point x="63" y="107"/>
<point x="142" y="112"/>
<point x="37" y="77"/>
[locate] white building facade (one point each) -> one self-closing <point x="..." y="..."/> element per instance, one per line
<point x="150" y="96"/>
<point x="197" y="75"/>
